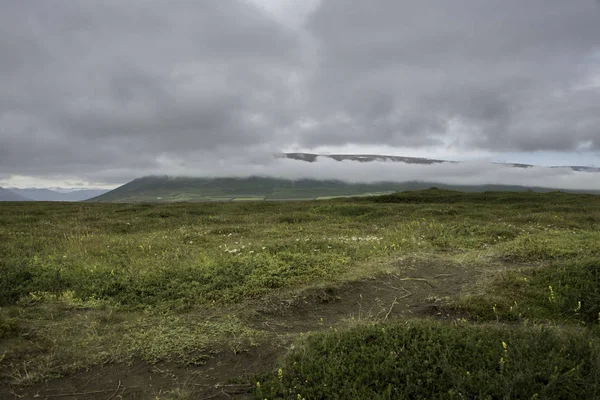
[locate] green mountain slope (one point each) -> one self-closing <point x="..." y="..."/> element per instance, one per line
<point x="173" y="189"/>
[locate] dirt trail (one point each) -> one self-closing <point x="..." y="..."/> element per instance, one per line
<point x="411" y="290"/>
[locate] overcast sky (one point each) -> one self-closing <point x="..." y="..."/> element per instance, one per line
<point x="97" y="93"/>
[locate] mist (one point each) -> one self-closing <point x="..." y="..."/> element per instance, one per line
<point x="464" y="173"/>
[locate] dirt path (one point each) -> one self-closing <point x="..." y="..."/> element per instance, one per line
<point x="412" y="289"/>
<point x="408" y="291"/>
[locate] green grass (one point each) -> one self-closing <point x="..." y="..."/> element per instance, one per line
<point x="564" y="292"/>
<point x="434" y="360"/>
<point x="253" y="198"/>
<point x="85" y="284"/>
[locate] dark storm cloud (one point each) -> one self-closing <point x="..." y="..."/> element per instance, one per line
<point x="503" y="71"/>
<point x="108" y="90"/>
<point x="87" y="85"/>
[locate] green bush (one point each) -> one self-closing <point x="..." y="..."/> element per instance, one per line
<point x="434" y="360"/>
<point x="563" y="291"/>
<point x="8" y="326"/>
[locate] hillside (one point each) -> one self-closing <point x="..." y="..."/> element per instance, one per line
<point x="168" y="189"/>
<point x="174" y="189"/>
<point x="8" y="195"/>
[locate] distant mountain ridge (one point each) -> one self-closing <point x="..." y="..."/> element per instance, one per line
<point x="45" y="194"/>
<point x="170" y="189"/>
<point x="163" y="189"/>
<point x="9" y="195"/>
<point x="312" y="157"/>
<point x="255" y="188"/>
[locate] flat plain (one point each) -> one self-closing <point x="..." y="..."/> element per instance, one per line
<point x="428" y="294"/>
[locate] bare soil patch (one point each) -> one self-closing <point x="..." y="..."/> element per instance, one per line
<point x="413" y="288"/>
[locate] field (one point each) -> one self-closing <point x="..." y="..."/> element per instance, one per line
<point x="431" y="294"/>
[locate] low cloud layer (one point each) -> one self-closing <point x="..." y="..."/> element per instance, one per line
<point x="105" y="91"/>
<point x="467" y="173"/>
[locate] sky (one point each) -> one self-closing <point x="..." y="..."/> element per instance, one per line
<point x="99" y="92"/>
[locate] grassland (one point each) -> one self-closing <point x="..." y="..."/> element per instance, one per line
<point x="430" y="294"/>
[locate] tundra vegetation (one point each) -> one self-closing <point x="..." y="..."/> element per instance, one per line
<point x="430" y="294"/>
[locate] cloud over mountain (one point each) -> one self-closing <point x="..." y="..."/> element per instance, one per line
<point x="100" y="89"/>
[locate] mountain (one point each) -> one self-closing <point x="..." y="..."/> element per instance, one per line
<point x="58" y="194"/>
<point x="312" y="157"/>
<point x="9" y="195"/>
<point x="167" y="189"/>
<point x="173" y="189"/>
